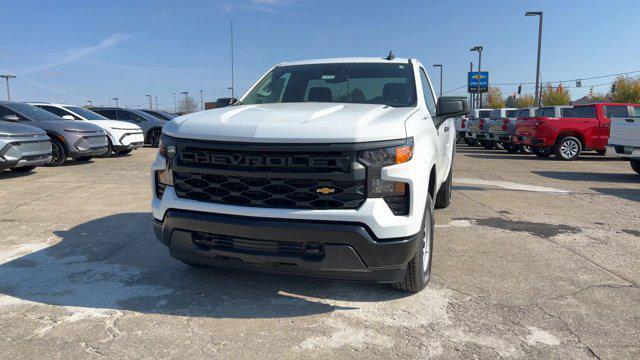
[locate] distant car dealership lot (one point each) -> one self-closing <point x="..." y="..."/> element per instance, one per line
<point x="535" y="258"/>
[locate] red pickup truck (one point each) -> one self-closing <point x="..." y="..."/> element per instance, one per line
<point x="569" y="131"/>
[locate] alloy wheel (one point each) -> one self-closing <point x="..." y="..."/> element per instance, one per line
<point x="569" y="149"/>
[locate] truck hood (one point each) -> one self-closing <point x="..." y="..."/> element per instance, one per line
<point x="120" y="125"/>
<point x="294" y="123"/>
<point x="9" y="128"/>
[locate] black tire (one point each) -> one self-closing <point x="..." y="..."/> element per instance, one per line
<point x="601" y="152"/>
<point x="419" y="268"/>
<point x="443" y="198"/>
<point x="109" y="149"/>
<point x="512" y="148"/>
<point x="58" y="153"/>
<point x="635" y="165"/>
<point x="526" y="149"/>
<point x="84" y="158"/>
<point x="568" y="148"/>
<point x="489" y="145"/>
<point x="542" y="152"/>
<point x="153" y="138"/>
<point x="499" y="145"/>
<point x="470" y="142"/>
<point x="23" y="169"/>
<point x="124" y="152"/>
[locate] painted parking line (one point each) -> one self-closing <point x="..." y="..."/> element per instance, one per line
<point x="508" y="185"/>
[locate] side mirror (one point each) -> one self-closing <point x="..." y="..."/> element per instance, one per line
<point x="11" y="118"/>
<point x="451" y="106"/>
<point x="68" y="117"/>
<point x="223" y="102"/>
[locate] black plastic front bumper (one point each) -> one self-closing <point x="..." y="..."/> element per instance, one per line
<point x="321" y="249"/>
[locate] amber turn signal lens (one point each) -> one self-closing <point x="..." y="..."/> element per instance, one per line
<point x="403" y="154"/>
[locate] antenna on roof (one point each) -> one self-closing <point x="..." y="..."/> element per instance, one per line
<point x="390" y="56"/>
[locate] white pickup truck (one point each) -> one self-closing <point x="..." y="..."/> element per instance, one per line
<point x="624" y="138"/>
<point x="329" y="168"/>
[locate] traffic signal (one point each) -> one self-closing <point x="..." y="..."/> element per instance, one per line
<point x="519" y="89"/>
<point x="613" y="87"/>
<point x="578" y="83"/>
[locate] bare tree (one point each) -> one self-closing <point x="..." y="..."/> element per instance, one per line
<point x="188" y="105"/>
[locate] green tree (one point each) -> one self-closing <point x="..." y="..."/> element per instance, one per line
<point x="555" y="95"/>
<point x="627" y="90"/>
<point x="510" y="101"/>
<point x="526" y="100"/>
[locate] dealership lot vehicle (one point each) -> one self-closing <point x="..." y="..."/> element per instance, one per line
<point x="624" y="138"/>
<point x="461" y="127"/>
<point x="269" y="183"/>
<point x="69" y="139"/>
<point x="22" y="147"/>
<point x="123" y="137"/>
<point x="500" y="123"/>
<point x="93" y="280"/>
<point x="476" y="127"/>
<point x="542" y="131"/>
<point x="150" y="125"/>
<point x="162" y="115"/>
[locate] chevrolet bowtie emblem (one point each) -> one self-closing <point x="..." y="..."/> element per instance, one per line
<point x="325" y="190"/>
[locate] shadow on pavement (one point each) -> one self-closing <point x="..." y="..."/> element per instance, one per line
<point x="589" y="176"/>
<point x="627" y="194"/>
<point x="116" y="263"/>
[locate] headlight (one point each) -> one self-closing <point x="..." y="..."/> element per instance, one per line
<point x="387" y="156"/>
<point x="394" y="193"/>
<point x="168" y="150"/>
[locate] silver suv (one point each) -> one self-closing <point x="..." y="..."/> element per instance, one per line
<point x="23" y="147"/>
<point x="74" y="139"/>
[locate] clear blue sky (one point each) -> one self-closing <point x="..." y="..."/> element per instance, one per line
<point x="73" y="51"/>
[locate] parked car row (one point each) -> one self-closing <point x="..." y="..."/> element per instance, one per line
<point x="41" y="133"/>
<point x="562" y="131"/>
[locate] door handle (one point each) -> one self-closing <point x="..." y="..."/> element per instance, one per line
<point x="446" y="128"/>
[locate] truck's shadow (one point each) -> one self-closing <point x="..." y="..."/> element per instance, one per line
<point x="590" y="176"/>
<point x="115" y="262"/>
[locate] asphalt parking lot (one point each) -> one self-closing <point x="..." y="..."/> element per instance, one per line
<point x="535" y="258"/>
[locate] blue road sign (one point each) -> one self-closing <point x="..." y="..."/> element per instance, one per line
<point x="476" y="78"/>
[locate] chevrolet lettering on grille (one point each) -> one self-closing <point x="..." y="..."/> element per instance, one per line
<point x="271" y="161"/>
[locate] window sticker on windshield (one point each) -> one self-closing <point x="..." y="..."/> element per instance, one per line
<point x="328" y="77"/>
<point x="401" y="67"/>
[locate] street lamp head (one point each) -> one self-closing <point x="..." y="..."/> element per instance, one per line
<point x="184" y="92"/>
<point x="437" y="65"/>
<point x="477" y="48"/>
<point x="533" y="13"/>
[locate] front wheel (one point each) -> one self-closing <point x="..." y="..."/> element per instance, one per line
<point x="500" y="146"/>
<point x="512" y="148"/>
<point x="526" y="149"/>
<point x="487" y="144"/>
<point x="124" y="152"/>
<point x="109" y="149"/>
<point x="542" y="152"/>
<point x="635" y="165"/>
<point x="568" y="148"/>
<point x="58" y="153"/>
<point x="419" y="268"/>
<point x="470" y="142"/>
<point x="154" y="137"/>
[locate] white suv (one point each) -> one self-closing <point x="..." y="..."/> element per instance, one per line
<point x="123" y="137"/>
<point x="330" y="168"/>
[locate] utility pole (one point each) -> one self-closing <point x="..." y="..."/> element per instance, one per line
<point x="232" y="74"/>
<point x="201" y="101"/>
<point x="479" y="50"/>
<point x="537" y="13"/>
<point x="440" y="66"/>
<point x="175" y="105"/>
<point x="7" y="77"/>
<point x="116" y="99"/>
<point x="150" y="104"/>
<point x="156" y="103"/>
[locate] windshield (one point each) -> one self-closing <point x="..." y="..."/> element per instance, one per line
<point x="32" y="113"/>
<point x="84" y="113"/>
<point x="362" y="83"/>
<point x="143" y="114"/>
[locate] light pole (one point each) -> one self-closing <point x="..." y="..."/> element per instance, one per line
<point x="156" y="102"/>
<point x="185" y="93"/>
<point x="201" y="101"/>
<point x="90" y="103"/>
<point x="439" y="66"/>
<point x="175" y="106"/>
<point x="7" y="77"/>
<point x="470" y="93"/>
<point x="116" y="99"/>
<point x="232" y="72"/>
<point x="150" y="104"/>
<point x="479" y="50"/>
<point x="537" y="13"/>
